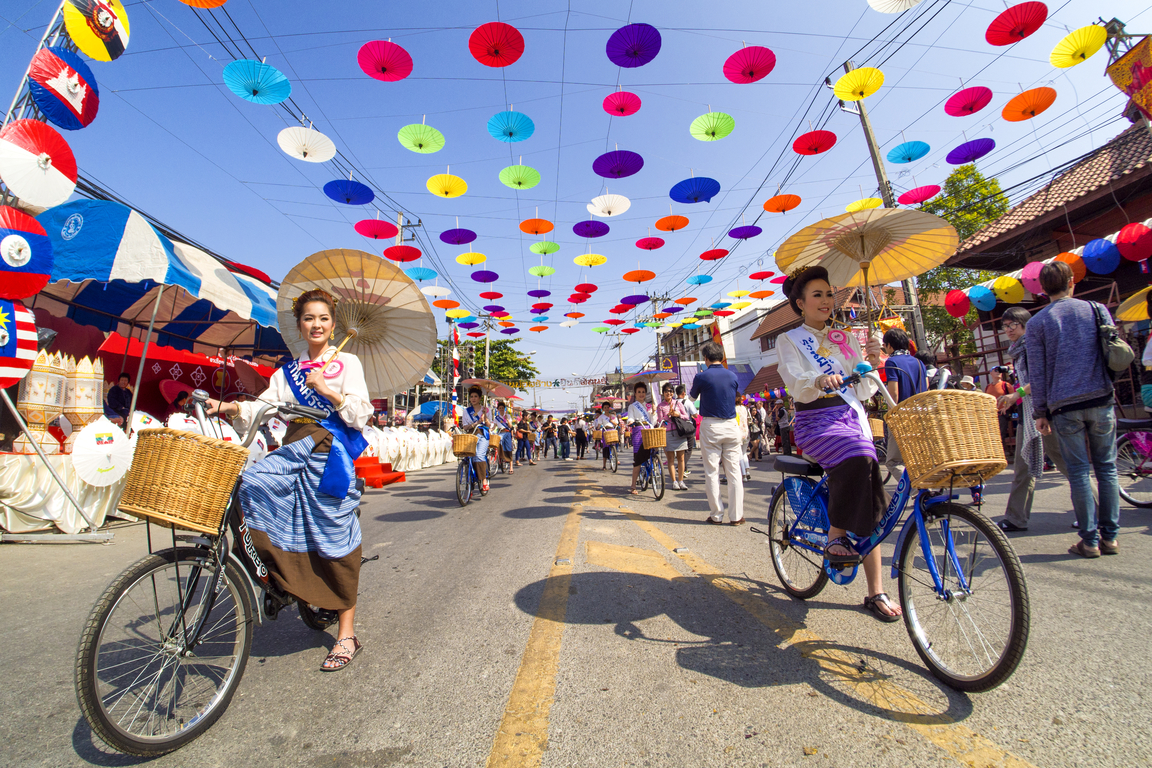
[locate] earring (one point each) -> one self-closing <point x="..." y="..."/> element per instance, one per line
<point x="331" y="335"/>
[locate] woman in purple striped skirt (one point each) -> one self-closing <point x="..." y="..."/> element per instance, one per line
<point x="831" y="426"/>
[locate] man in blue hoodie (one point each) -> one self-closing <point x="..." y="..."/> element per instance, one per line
<point x="1072" y="395"/>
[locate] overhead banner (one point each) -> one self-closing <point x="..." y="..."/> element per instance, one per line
<point x="589" y="381"/>
<point x="1132" y="74"/>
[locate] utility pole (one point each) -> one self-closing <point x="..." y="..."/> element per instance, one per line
<point x="910" y="294"/>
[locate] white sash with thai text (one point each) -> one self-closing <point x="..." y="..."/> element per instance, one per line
<point x="809" y="345"/>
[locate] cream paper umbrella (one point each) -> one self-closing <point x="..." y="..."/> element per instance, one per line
<point x="382" y="317"/>
<point x="608" y="205"/>
<point x="306" y="143"/>
<point x="102" y="453"/>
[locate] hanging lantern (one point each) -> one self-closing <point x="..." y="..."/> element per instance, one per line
<point x="1079" y="271"/>
<point x="982" y="298"/>
<point x="1008" y="289"/>
<point x="956" y="303"/>
<point x="1101" y="257"/>
<point x="1030" y="277"/>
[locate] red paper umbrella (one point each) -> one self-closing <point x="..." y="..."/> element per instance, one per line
<point x="918" y="195"/>
<point x="36" y="163"/>
<point x="650" y="243"/>
<point x="714" y="254"/>
<point x="536" y="226"/>
<point x="622" y="103"/>
<point x="1135" y="242"/>
<point x="1028" y="104"/>
<point x="761" y="294"/>
<point x="542" y="307"/>
<point x="723" y="313"/>
<point x="621" y="309"/>
<point x="1016" y="23"/>
<point x="376" y="229"/>
<point x="501" y="313"/>
<point x="586" y="288"/>
<point x="574" y="315"/>
<point x="814" y="142"/>
<point x="778" y="280"/>
<point x="629" y="330"/>
<point x="384" y="60"/>
<point x="639" y="275"/>
<point x="614" y="321"/>
<point x="782" y="203"/>
<point x="748" y="65"/>
<point x="496" y="44"/>
<point x="491" y="295"/>
<point x="476" y="334"/>
<point x="761" y="275"/>
<point x="957" y="303"/>
<point x="578" y="298"/>
<point x="686" y="300"/>
<point x="672" y="223"/>
<point x="446" y="303"/>
<point x="402" y="253"/>
<point x="968" y="101"/>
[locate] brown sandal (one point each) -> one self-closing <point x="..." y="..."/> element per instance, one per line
<point x="335" y="661"/>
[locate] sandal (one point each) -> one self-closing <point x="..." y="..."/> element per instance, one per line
<point x="872" y="605"/>
<point x="336" y="661"/>
<point x="1082" y="549"/>
<point x="842" y="541"/>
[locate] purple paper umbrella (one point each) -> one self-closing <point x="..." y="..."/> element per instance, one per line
<point x="743" y="233"/>
<point x="469" y="326"/>
<point x="458" y="236"/>
<point x="590" y="229"/>
<point x="484" y="276"/>
<point x="539" y="293"/>
<point x="634" y="45"/>
<point x="635" y="300"/>
<point x="618" y="164"/>
<point x="970" y="151"/>
<point x="493" y="308"/>
<point x="510" y="330"/>
<point x="672" y="310"/>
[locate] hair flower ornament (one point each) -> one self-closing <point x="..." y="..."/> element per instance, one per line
<point x="840" y="339"/>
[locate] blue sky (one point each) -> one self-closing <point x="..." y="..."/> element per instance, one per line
<point x="172" y="140"/>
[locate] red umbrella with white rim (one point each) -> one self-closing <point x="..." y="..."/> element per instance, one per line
<point x="36" y="163"/>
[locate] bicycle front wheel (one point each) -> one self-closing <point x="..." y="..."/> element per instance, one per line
<point x="972" y="634"/>
<point x="657" y="479"/>
<point x="1134" y="470"/>
<point x="801" y="571"/>
<point x="162" y="652"/>
<point x="613" y="459"/>
<point x="464" y="482"/>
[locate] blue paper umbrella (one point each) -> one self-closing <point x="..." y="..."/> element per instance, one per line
<point x="699" y="279"/>
<point x="908" y="152"/>
<point x="1101" y="257"/>
<point x="257" y="82"/>
<point x="420" y="273"/>
<point x="349" y="192"/>
<point x="467" y="319"/>
<point x="690" y="326"/>
<point x="694" y="190"/>
<point x="982" y="297"/>
<point x="63" y="88"/>
<point x="511" y="126"/>
<point x="540" y="319"/>
<point x="720" y="305"/>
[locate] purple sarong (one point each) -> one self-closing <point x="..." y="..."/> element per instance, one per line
<point x="830" y="435"/>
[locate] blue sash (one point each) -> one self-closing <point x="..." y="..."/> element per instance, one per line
<point x="474" y="418"/>
<point x="338" y="470"/>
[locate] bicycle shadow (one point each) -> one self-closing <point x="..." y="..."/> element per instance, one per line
<point x="90" y="749"/>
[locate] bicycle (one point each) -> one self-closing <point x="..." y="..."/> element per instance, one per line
<point x="1134" y="461"/>
<point x="960" y="584"/>
<point x="612" y="456"/>
<point x="652" y="471"/>
<point x="468" y="477"/>
<point x="166" y="644"/>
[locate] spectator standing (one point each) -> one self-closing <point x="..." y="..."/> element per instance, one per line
<point x="784" y="422"/>
<point x="906" y="377"/>
<point x="581" y="437"/>
<point x="565" y="433"/>
<point x="742" y="417"/>
<point x="120" y="399"/>
<point x="755" y="431"/>
<point x="1072" y="396"/>
<point x="720" y="435"/>
<point x="550" y="438"/>
<point x="667" y="411"/>
<point x="694" y="415"/>
<point x="998" y="388"/>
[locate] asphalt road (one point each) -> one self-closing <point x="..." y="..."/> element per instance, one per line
<point x="482" y="647"/>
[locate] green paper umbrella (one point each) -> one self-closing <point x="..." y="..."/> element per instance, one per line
<point x="712" y="126"/>
<point x="703" y="312"/>
<point x="653" y="324"/>
<point x="544" y="247"/>
<point x="541" y="271"/>
<point x="421" y="138"/>
<point x="601" y="329"/>
<point x="520" y="177"/>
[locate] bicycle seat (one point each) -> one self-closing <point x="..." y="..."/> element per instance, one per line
<point x="796" y="465"/>
<point x="1134" y="423"/>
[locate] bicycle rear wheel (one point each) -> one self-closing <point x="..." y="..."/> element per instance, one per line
<point x="162" y="652"/>
<point x="613" y="459"/>
<point x="800" y="571"/>
<point x="657" y="478"/>
<point x="1134" y="469"/>
<point x="881" y="444"/>
<point x="972" y="639"/>
<point x="464" y="482"/>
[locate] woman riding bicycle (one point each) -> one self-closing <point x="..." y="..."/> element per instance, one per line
<point x="604" y="422"/>
<point x="832" y="428"/>
<point x="477" y="416"/>
<point x="300" y="502"/>
<point x="641" y="416"/>
<point x="506" y="446"/>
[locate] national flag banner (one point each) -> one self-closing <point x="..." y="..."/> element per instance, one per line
<point x="25" y="255"/>
<point x="107" y="438"/>
<point x="63" y="88"/>
<point x="17" y="342"/>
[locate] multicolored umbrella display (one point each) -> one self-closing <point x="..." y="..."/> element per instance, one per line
<point x="621" y="104"/>
<point x="695" y="190"/>
<point x="749" y="64"/>
<point x="63" y="87"/>
<point x="511" y="127"/>
<point x="421" y="138"/>
<point x="970" y="151"/>
<point x="384" y="60"/>
<point x="307" y="144"/>
<point x="617" y="164"/>
<point x="633" y="46"/>
<point x="1028" y="104"/>
<point x="712" y="126"/>
<point x="99" y="29"/>
<point x="36" y="163"/>
<point x="349" y="192"/>
<point x="1016" y="23"/>
<point x="257" y="82"/>
<point x="496" y="44"/>
<point x="968" y="101"/>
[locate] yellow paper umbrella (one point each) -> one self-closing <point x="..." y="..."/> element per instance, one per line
<point x="740" y="305"/>
<point x="1008" y="289"/>
<point x="457" y="313"/>
<point x="100" y="30"/>
<point x="471" y="259"/>
<point x="1078" y="46"/>
<point x="590" y="259"/>
<point x="863" y="204"/>
<point x="1134" y="308"/>
<point x="737" y="294"/>
<point x="446" y="185"/>
<point x="858" y="84"/>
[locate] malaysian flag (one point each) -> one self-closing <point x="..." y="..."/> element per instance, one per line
<point x="17" y="342"/>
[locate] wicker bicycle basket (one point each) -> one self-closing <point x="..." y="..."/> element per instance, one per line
<point x="464" y="445"/>
<point x="597" y="434"/>
<point x="611" y="436"/>
<point x="654" y="438"/>
<point x="182" y="480"/>
<point x="877" y="426"/>
<point x="948" y="438"/>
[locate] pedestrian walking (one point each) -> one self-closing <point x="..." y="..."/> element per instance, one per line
<point x="755" y="431"/>
<point x="565" y="433"/>
<point x="720" y="435"/>
<point x="550" y="438"/>
<point x="604" y="422"/>
<point x="1072" y="395"/>
<point x="581" y="437"/>
<point x="784" y="423"/>
<point x="906" y="377"/>
<point x="672" y="415"/>
<point x="694" y="415"/>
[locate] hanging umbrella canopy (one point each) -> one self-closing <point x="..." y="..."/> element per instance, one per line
<point x="307" y="144"/>
<point x="349" y="192"/>
<point x="712" y="126"/>
<point x="36" y="163"/>
<point x="99" y="30"/>
<point x="749" y="64"/>
<point x="694" y="190"/>
<point x="63" y="87"/>
<point x="1134" y="308"/>
<point x="639" y="276"/>
<point x="511" y="127"/>
<point x="257" y="82"/>
<point x="745" y="232"/>
<point x="402" y="253"/>
<point x="671" y="223"/>
<point x="458" y="236"/>
<point x="471" y="259"/>
<point x="650" y="243"/>
<point x="485" y="276"/>
<point x="714" y="255"/>
<point x="858" y="84"/>
<point x="968" y="101"/>
<point x="590" y="259"/>
<point x="621" y="104"/>
<point x="421" y="138"/>
<point x="491" y="295"/>
<point x="544" y="247"/>
<point x="908" y="152"/>
<point x="420" y="274"/>
<point x="1078" y="46"/>
<point x="447" y="186"/>
<point x="893" y="6"/>
<point x="1016" y="23"/>
<point x="395" y="330"/>
<point x="618" y="164"/>
<point x="541" y="270"/>
<point x="519" y="177"/>
<point x="539" y="293"/>
<point x="376" y="229"/>
<point x="590" y="229"/>
<point x="609" y="205"/>
<point x="814" y="142"/>
<point x="781" y="203"/>
<point x="761" y="275"/>
<point x="864" y="204"/>
<point x="25" y="255"/>
<point x="435" y="290"/>
<point x="536" y="226"/>
<point x="970" y="151"/>
<point x="384" y="60"/>
<point x="919" y="195"/>
<point x="1028" y="104"/>
<point x="633" y="46"/>
<point x="761" y="294"/>
<point x="699" y="279"/>
<point x="496" y="44"/>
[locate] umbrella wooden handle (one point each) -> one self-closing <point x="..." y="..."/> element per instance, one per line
<point x="352" y="333"/>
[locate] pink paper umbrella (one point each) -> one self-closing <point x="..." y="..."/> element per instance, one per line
<point x="748" y="65"/>
<point x="968" y="101"/>
<point x="650" y="243"/>
<point x="622" y="104"/>
<point x="1030" y="276"/>
<point x="814" y="142"/>
<point x="377" y="229"/>
<point x="918" y="195"/>
<point x="384" y="60"/>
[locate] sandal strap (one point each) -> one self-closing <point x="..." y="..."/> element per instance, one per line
<point x="879" y="597"/>
<point x="842" y="541"/>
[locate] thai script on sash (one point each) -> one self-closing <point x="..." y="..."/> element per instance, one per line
<point x="825" y="364"/>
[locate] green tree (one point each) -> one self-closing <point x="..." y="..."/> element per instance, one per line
<point x="505" y="363"/>
<point x="969" y="202"/>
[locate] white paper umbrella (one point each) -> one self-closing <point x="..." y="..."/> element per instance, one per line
<point x="609" y="205"/>
<point x="36" y="163"/>
<point x="221" y="430"/>
<point x="306" y="144"/>
<point x="102" y="453"/>
<point x="893" y="6"/>
<point x="435" y="290"/>
<point x="141" y="420"/>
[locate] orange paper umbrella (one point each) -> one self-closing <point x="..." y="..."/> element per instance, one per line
<point x="536" y="226"/>
<point x="686" y="300"/>
<point x="761" y="294"/>
<point x="782" y="203"/>
<point x="1079" y="270"/>
<point x="662" y="315"/>
<point x="672" y="223"/>
<point x="506" y="324"/>
<point x="639" y="275"/>
<point x="537" y="328"/>
<point x="1028" y="104"/>
<point x="574" y="315"/>
<point x="445" y="303"/>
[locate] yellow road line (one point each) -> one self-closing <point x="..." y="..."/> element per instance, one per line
<point x="629" y="560"/>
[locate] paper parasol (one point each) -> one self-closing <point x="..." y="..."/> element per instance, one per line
<point x="635" y="300"/>
<point x="421" y="138"/>
<point x="510" y="331"/>
<point x="541" y="270"/>
<point x="538" y="328"/>
<point x="1028" y="104"/>
<point x="493" y="308"/>
<point x="671" y="223"/>
<point x="349" y="192"/>
<point x="621" y="309"/>
<point x="496" y="44"/>
<point x="633" y="46"/>
<point x="492" y="388"/>
<point x="306" y="144"/>
<point x="491" y="295"/>
<point x="617" y="164"/>
<point x="590" y="229"/>
<point x="1134" y="308"/>
<point x="918" y="195"/>
<point x="257" y="82"/>
<point x="590" y="259"/>
<point x="609" y="205"/>
<point x="446" y="303"/>
<point x="1016" y="23"/>
<point x="863" y="204"/>
<point x="511" y="127"/>
<point x="814" y="142"/>
<point x="540" y="319"/>
<point x="761" y="294"/>
<point x="781" y="203"/>
<point x="858" y="84"/>
<point x="970" y="151"/>
<point x="25" y="255"/>
<point x="458" y="236"/>
<point x="579" y="298"/>
<point x="893" y="6"/>
<point x="908" y="152"/>
<point x="574" y="315"/>
<point x="714" y="255"/>
<point x="1078" y="46"/>
<point x="968" y="101"/>
<point x="695" y="189"/>
<point x="639" y="276"/>
<point x="1079" y="271"/>
<point x="536" y="226"/>
<point x="402" y="253"/>
<point x="685" y="326"/>
<point x="519" y="177"/>
<point x="544" y="247"/>
<point x="101" y="453"/>
<point x="377" y="229"/>
<point x="745" y="232"/>
<point x="204" y="3"/>
<point x="63" y="87"/>
<point x="384" y="60"/>
<point x="621" y="104"/>
<point x="435" y="290"/>
<point x="99" y="30"/>
<point x="587" y="287"/>
<point x="539" y="293"/>
<point x="485" y="276"/>
<point x="748" y="65"/>
<point x="650" y="243"/>
<point x="18" y="342"/>
<point x="712" y="126"/>
<point x="1134" y="241"/>
<point x="614" y="321"/>
<point x="699" y="279"/>
<point x="764" y="275"/>
<point x="447" y="186"/>
<point x="471" y="259"/>
<point x="420" y="274"/>
<point x="36" y="163"/>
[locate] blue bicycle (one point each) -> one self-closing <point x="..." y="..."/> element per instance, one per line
<point x="652" y="475"/>
<point x="468" y="477"/>
<point x="960" y="583"/>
